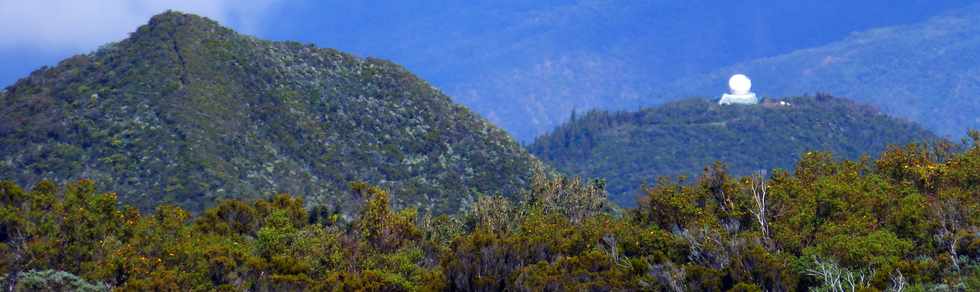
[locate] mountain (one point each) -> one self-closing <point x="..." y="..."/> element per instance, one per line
<point x="928" y="72"/>
<point x="525" y="65"/>
<point x="629" y="149"/>
<point x="185" y="111"/>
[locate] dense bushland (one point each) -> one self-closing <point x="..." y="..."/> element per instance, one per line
<point x="908" y="220"/>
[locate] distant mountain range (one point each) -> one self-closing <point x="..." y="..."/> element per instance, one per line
<point x="526" y="65"/>
<point x="185" y="111"/>
<point x="927" y="72"/>
<point x="629" y="149"/>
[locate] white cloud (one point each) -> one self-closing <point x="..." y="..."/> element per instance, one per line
<point x="59" y="25"/>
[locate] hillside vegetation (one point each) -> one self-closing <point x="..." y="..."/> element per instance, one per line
<point x="628" y="149"/>
<point x="908" y="220"/>
<point x="185" y="111"/>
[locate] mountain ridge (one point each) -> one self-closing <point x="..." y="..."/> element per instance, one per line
<point x="186" y="111"/>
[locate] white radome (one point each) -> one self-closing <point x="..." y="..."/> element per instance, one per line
<point x="740" y="84"/>
<point x="739" y="91"/>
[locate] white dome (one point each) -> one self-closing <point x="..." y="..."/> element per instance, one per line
<point x="740" y="84"/>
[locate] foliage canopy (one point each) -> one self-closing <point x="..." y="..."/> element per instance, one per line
<point x="909" y="219"/>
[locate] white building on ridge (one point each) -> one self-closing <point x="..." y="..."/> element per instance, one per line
<point x="740" y="91"/>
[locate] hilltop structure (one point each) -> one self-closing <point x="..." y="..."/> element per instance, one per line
<point x="740" y="91"/>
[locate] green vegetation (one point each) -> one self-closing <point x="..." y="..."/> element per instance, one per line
<point x="50" y="280"/>
<point x="185" y="111"/>
<point x="629" y="149"/>
<point x="908" y="219"/>
<point x="205" y="133"/>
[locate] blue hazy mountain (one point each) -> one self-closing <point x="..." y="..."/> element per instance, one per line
<point x="928" y="72"/>
<point x="526" y="64"/>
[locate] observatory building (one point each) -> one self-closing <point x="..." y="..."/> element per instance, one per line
<point x="740" y="91"/>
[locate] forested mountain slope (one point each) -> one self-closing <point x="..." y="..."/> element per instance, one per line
<point x="185" y="111"/>
<point x="681" y="138"/>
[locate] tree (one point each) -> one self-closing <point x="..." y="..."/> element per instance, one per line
<point x="760" y="195"/>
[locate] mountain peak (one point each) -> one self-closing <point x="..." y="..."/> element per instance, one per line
<point x="171" y="18"/>
<point x="171" y="25"/>
<point x="188" y="112"/>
